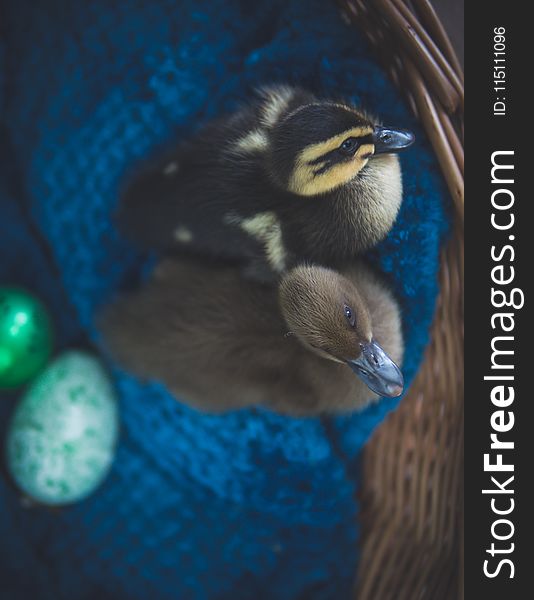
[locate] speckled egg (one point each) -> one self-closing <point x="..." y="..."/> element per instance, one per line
<point x="62" y="437"/>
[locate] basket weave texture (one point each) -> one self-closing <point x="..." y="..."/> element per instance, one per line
<point x="412" y="499"/>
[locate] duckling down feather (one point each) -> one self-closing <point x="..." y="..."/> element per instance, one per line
<point x="234" y="506"/>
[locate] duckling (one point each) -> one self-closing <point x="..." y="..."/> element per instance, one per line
<point x="289" y="178"/>
<point x="220" y="342"/>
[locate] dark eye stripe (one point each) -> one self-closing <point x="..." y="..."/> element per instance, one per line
<point x="323" y="169"/>
<point x="323" y="157"/>
<point x="349" y="146"/>
<point x="334" y="154"/>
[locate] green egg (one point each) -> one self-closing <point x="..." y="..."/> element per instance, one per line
<point x="62" y="436"/>
<point x="25" y="337"/>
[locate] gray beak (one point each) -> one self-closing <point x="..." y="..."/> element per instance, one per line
<point x="378" y="371"/>
<point x="391" y="140"/>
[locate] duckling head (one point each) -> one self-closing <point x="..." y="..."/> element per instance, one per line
<point x="320" y="147"/>
<point x="325" y="311"/>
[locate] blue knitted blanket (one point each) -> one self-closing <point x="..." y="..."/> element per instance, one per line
<point x="244" y="505"/>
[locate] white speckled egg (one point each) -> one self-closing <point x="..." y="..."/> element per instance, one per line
<point x="62" y="437"/>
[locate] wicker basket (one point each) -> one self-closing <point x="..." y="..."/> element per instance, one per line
<point x="412" y="498"/>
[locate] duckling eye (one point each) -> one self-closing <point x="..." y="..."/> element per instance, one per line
<point x="350" y="316"/>
<point x="349" y="146"/>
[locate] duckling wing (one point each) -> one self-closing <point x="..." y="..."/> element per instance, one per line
<point x="158" y="203"/>
<point x="194" y="199"/>
<point x="207" y="335"/>
<point x="197" y="211"/>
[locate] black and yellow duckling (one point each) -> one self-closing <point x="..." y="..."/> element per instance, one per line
<point x="289" y="178"/>
<point x="221" y="342"/>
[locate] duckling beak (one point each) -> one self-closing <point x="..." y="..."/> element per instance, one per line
<point x="378" y="371"/>
<point x="391" y="140"/>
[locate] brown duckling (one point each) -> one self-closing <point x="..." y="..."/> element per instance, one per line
<point x="220" y="342"/>
<point x="289" y="178"/>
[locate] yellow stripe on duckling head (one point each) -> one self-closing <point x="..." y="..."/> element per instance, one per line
<point x="307" y="178"/>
